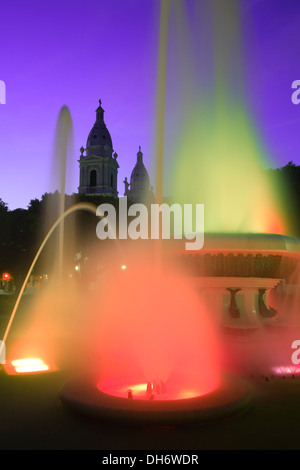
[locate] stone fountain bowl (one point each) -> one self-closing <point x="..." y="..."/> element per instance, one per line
<point x="235" y="273"/>
<point x="242" y="255"/>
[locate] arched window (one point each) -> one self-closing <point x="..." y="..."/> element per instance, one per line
<point x="112" y="180"/>
<point x="93" y="178"/>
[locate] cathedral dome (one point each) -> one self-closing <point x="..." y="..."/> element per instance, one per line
<point x="139" y="178"/>
<point x="99" y="135"/>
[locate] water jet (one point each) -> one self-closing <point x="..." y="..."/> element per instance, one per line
<point x="155" y="353"/>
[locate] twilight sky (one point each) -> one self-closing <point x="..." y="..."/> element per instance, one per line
<point x="74" y="52"/>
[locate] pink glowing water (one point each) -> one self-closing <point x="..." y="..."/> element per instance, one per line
<point x="149" y="327"/>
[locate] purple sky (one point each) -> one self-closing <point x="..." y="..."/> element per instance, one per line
<point x="74" y="52"/>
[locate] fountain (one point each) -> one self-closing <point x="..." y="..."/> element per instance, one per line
<point x="246" y="252"/>
<point x="236" y="273"/>
<point x="161" y="359"/>
<point x="157" y="353"/>
<point x="145" y="343"/>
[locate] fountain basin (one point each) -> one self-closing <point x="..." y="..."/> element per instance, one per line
<point x="242" y="255"/>
<point x="83" y="396"/>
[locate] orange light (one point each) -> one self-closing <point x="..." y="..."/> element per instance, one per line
<point x="26" y="366"/>
<point x="6" y="277"/>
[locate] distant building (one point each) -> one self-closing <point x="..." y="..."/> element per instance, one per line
<point x="99" y="167"/>
<point x="139" y="189"/>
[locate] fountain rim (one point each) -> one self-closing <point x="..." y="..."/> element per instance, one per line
<point x="243" y="252"/>
<point x="247" y="243"/>
<point x="82" y="396"/>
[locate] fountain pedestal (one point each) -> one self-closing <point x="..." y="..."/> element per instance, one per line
<point x="237" y="302"/>
<point x="235" y="274"/>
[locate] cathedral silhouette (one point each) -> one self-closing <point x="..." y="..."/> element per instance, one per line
<point x="98" y="165"/>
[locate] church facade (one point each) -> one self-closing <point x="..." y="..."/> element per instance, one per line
<point x="98" y="167"/>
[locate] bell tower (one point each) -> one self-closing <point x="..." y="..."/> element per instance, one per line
<point x="99" y="166"/>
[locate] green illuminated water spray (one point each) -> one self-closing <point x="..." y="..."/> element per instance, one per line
<point x="160" y="118"/>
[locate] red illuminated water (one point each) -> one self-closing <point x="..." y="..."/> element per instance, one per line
<point x="149" y="327"/>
